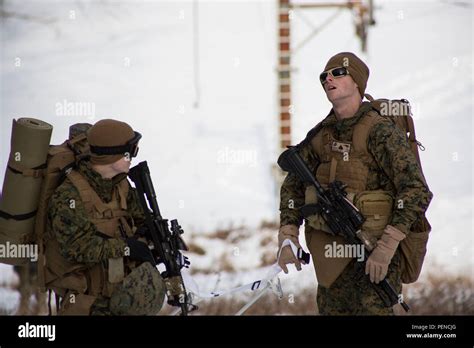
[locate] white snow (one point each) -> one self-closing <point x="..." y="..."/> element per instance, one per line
<point x="211" y="164"/>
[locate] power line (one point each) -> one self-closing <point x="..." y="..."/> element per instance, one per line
<point x="196" y="65"/>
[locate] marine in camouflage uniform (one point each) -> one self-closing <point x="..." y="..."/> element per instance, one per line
<point x="344" y="288"/>
<point x="89" y="248"/>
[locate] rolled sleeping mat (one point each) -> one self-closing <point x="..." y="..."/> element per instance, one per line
<point x="21" y="187"/>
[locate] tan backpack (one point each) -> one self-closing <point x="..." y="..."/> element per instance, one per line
<point x="35" y="169"/>
<point x="413" y="247"/>
<point x="61" y="159"/>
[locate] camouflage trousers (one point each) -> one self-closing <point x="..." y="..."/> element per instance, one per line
<point x="352" y="294"/>
<point x="101" y="306"/>
<point x="142" y="292"/>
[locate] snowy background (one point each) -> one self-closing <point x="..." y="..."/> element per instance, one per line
<point x="209" y="121"/>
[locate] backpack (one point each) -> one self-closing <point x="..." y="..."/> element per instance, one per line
<point x="413" y="247"/>
<point x="56" y="161"/>
<point x="61" y="159"/>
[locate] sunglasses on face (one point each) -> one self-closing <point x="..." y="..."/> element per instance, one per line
<point x="335" y="73"/>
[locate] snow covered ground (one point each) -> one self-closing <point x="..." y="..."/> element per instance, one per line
<point x="211" y="149"/>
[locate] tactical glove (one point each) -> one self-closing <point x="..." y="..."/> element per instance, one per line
<point x="290" y="232"/>
<point x="142" y="231"/>
<point x="139" y="251"/>
<point x="378" y="261"/>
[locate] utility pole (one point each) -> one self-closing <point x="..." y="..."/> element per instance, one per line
<point x="284" y="71"/>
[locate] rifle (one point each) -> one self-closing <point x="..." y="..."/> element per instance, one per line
<point x="166" y="243"/>
<point x="342" y="217"/>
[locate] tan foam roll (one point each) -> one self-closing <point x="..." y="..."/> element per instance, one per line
<point x="22" y="183"/>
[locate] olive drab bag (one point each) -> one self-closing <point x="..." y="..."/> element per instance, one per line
<point x="413" y="247"/>
<point x="60" y="160"/>
<point x="35" y="169"/>
<point x="29" y="144"/>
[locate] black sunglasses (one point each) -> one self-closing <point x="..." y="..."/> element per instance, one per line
<point x="336" y="72"/>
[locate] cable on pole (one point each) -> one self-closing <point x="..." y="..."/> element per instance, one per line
<point x="196" y="62"/>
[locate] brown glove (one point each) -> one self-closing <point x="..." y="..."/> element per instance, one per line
<point x="290" y="232"/>
<point x="379" y="259"/>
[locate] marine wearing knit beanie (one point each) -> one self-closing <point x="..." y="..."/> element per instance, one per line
<point x="357" y="68"/>
<point x="109" y="133"/>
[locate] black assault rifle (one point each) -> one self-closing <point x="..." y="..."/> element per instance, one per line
<point x="166" y="243"/>
<point x="342" y="217"/>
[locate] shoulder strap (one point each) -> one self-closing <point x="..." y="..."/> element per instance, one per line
<point x="123" y="188"/>
<point x="362" y="129"/>
<point x="312" y="133"/>
<point x="89" y="197"/>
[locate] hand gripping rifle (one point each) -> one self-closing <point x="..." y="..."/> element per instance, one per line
<point x="166" y="243"/>
<point x="342" y="217"/>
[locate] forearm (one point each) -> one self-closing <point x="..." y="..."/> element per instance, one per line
<point x="410" y="204"/>
<point x="292" y="193"/>
<point x="134" y="207"/>
<point x="81" y="243"/>
<point x="291" y="198"/>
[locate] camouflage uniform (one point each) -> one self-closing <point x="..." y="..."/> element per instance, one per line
<point x="80" y="241"/>
<point x="397" y="171"/>
<point x="352" y="294"/>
